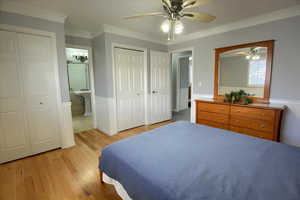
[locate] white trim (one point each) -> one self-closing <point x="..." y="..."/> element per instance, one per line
<point x="78" y="33"/>
<point x="25" y="9"/>
<point x="192" y="49"/>
<point x="113" y="46"/>
<point x="178" y="89"/>
<point x="252" y="21"/>
<point x="61" y="113"/>
<point x="105" y="28"/>
<point x="92" y="82"/>
<point x="19" y="29"/>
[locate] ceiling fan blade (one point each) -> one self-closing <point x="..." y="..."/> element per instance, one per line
<point x="145" y="15"/>
<point x="202" y="17"/>
<point x="166" y="3"/>
<point x="194" y="3"/>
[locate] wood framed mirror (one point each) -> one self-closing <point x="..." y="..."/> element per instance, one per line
<point x="245" y="67"/>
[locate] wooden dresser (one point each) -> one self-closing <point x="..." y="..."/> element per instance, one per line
<point x="259" y="120"/>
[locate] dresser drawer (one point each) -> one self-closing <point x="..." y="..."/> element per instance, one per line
<point x="259" y="125"/>
<point x="211" y="107"/>
<point x="254" y="113"/>
<point x="251" y="132"/>
<point x="212" y="124"/>
<point x="213" y="117"/>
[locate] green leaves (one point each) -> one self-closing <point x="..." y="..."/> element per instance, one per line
<point x="240" y="97"/>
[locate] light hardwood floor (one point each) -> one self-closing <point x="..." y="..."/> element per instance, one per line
<point x="63" y="174"/>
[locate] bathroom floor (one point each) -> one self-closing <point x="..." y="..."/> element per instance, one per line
<point x="82" y="123"/>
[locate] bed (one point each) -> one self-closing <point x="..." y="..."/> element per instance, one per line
<point x="186" y="161"/>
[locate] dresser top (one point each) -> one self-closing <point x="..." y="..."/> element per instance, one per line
<point x="255" y="105"/>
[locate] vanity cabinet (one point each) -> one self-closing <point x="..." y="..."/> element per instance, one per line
<point x="258" y="120"/>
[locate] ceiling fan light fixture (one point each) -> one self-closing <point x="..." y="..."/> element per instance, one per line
<point x="248" y="57"/>
<point x="165" y="26"/>
<point x="178" y="27"/>
<point x="256" y="57"/>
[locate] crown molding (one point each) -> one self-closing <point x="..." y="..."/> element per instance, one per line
<point x="252" y="21"/>
<point x="23" y="9"/>
<point x="105" y="28"/>
<point x="78" y="33"/>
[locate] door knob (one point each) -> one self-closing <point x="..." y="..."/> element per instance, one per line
<point x="138" y="94"/>
<point x="41" y="103"/>
<point x="153" y="92"/>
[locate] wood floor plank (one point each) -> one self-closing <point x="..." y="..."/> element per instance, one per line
<point x="64" y="174"/>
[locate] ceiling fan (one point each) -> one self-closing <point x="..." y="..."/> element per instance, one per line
<point x="174" y="11"/>
<point x="252" y="54"/>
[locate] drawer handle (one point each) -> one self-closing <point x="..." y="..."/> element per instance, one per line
<point x="238" y="111"/>
<point x="262" y="126"/>
<point x="262" y="114"/>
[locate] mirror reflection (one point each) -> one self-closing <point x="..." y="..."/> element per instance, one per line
<point x="243" y="69"/>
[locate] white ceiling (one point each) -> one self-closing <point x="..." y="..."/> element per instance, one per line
<point x="89" y="15"/>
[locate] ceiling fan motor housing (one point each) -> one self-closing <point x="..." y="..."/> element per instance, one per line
<point x="176" y="5"/>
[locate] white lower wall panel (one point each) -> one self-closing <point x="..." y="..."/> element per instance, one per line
<point x="67" y="135"/>
<point x="105" y="115"/>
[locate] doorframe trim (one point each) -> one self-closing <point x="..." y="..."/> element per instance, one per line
<point x="92" y="80"/>
<point x="115" y="98"/>
<point x="191" y="48"/>
<point x="52" y="36"/>
<point x="178" y="94"/>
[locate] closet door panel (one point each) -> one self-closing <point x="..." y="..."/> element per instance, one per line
<point x="129" y="65"/>
<point x="14" y="142"/>
<point x="40" y="92"/>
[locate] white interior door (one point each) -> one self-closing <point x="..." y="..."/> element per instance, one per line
<point x="14" y="140"/>
<point x="160" y="87"/>
<point x="129" y="65"/>
<point x="36" y="56"/>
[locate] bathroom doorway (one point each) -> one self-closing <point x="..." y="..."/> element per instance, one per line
<point x="182" y="78"/>
<point x="81" y="87"/>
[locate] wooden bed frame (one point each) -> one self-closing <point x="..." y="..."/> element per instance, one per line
<point x="101" y="176"/>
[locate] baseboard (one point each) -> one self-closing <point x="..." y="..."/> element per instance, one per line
<point x="67" y="135"/>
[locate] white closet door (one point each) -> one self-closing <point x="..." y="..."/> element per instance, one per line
<point x="36" y="56"/>
<point x="160" y="87"/>
<point x="129" y="66"/>
<point x="14" y="140"/>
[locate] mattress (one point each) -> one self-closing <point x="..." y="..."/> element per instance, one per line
<point x="185" y="161"/>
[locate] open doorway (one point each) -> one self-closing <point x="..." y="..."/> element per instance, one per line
<point x="81" y="88"/>
<point x="182" y="63"/>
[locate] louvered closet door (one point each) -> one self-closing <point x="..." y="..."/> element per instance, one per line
<point x="129" y="66"/>
<point x="160" y="87"/>
<point x="14" y="138"/>
<point x="36" y="56"/>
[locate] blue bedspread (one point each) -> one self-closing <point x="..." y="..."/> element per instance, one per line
<point x="185" y="161"/>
